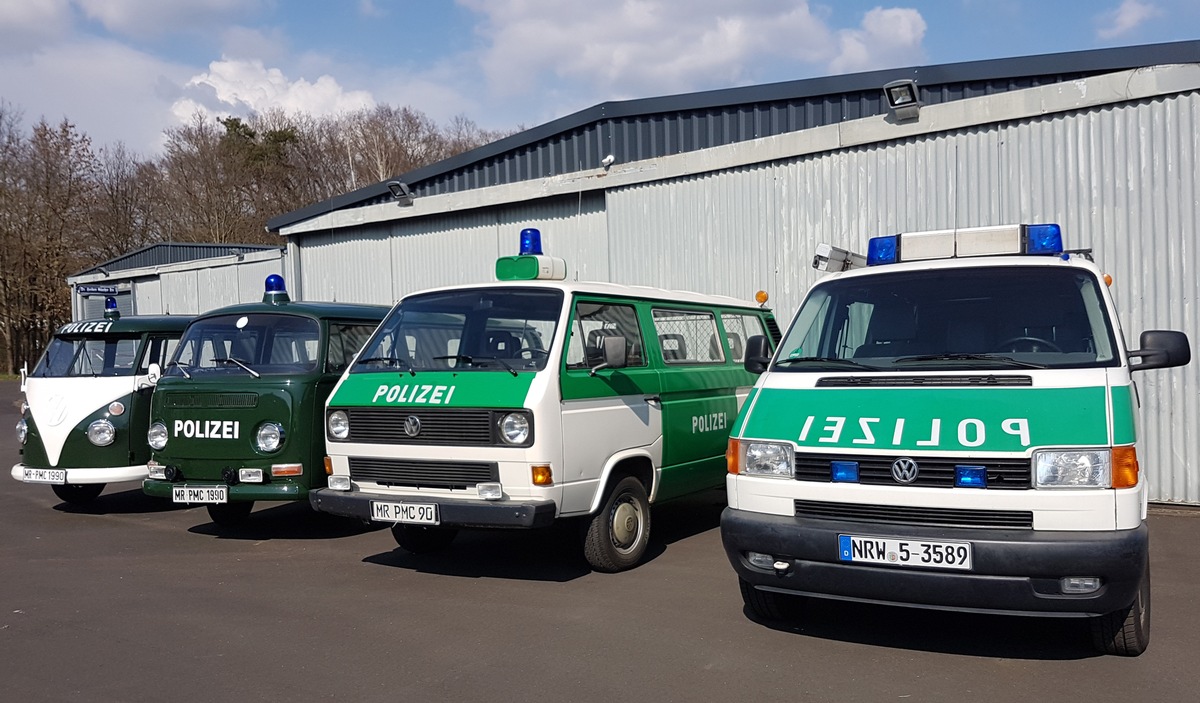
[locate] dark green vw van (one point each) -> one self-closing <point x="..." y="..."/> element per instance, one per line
<point x="238" y="415"/>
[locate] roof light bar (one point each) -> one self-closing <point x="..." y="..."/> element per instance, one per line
<point x="1041" y="239"/>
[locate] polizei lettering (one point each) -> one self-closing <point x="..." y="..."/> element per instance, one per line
<point x="416" y="393"/>
<point x="873" y="432"/>
<point x="82" y="327"/>
<point x="709" y="422"/>
<point x="208" y="429"/>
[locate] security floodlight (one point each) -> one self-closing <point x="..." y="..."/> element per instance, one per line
<point x="401" y="193"/>
<point x="902" y="99"/>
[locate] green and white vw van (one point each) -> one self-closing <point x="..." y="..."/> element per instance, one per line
<point x="87" y="403"/>
<point x="237" y="416"/>
<point x="951" y="426"/>
<point x="533" y="399"/>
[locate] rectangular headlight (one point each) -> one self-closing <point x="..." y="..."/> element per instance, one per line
<point x="1090" y="468"/>
<point x="250" y="475"/>
<point x="339" y="483"/>
<point x="773" y="459"/>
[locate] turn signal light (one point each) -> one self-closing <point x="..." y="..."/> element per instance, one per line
<point x="731" y="456"/>
<point x="542" y="476"/>
<point x="1124" y="467"/>
<point x="328" y="466"/>
<point x="287" y="469"/>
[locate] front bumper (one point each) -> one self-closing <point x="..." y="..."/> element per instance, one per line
<point x="237" y="492"/>
<point x="92" y="474"/>
<point x="1014" y="571"/>
<point x="451" y="511"/>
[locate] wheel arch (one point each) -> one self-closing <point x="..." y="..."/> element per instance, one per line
<point x="632" y="462"/>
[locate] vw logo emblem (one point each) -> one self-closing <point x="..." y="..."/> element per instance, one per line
<point x="412" y="425"/>
<point x="905" y="470"/>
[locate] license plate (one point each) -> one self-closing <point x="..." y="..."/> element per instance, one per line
<point x="904" y="552"/>
<point x="419" y="513"/>
<point x="200" y="494"/>
<point x="58" y="476"/>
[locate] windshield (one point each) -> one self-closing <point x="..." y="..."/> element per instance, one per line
<point x="82" y="356"/>
<point x="257" y="344"/>
<point x="491" y="329"/>
<point x="998" y="318"/>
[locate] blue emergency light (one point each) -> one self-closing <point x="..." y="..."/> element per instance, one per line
<point x="1040" y="239"/>
<point x="844" y="471"/>
<point x="531" y="242"/>
<point x="275" y="292"/>
<point x="970" y="476"/>
<point x="110" y="308"/>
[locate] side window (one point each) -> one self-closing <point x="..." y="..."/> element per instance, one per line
<point x="344" y="342"/>
<point x="593" y="322"/>
<point x="739" y="328"/>
<point x="687" y="337"/>
<point x="158" y="351"/>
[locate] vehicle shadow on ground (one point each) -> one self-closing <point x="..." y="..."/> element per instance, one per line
<point x="285" y="521"/>
<point x="125" y="502"/>
<point x="554" y="553"/>
<point x="966" y="634"/>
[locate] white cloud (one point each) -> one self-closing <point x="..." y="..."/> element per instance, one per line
<point x="25" y="25"/>
<point x="1125" y="18"/>
<point x="886" y="39"/>
<point x="368" y="8"/>
<point x="158" y="17"/>
<point x="241" y="85"/>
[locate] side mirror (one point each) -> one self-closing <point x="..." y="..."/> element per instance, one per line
<point x="758" y="354"/>
<point x="613" y="349"/>
<point x="24" y="375"/>
<point x="152" y="375"/>
<point x="1162" y="349"/>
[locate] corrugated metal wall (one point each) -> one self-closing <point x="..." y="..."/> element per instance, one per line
<point x="1121" y="180"/>
<point x="379" y="264"/>
<point x="199" y="290"/>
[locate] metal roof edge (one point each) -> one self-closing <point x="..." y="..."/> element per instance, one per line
<point x="129" y="254"/>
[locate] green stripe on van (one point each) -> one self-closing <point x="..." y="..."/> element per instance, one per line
<point x="472" y="389"/>
<point x="933" y="419"/>
<point x="1124" y="430"/>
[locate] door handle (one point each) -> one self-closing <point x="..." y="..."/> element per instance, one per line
<point x="653" y="400"/>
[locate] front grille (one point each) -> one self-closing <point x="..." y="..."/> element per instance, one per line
<point x="923" y="517"/>
<point x="935" y="471"/>
<point x="986" y="380"/>
<point x="211" y="400"/>
<point x="423" y="474"/>
<point x="458" y="427"/>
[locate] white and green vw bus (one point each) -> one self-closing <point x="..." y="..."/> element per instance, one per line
<point x="951" y="426"/>
<point x="87" y="403"/>
<point x="533" y="399"/>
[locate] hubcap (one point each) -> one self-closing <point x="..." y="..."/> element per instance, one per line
<point x="626" y="524"/>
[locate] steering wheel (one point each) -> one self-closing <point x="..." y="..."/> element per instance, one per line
<point x="532" y="352"/>
<point x="1035" y="344"/>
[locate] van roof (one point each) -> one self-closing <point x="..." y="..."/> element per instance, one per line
<point x="617" y="290"/>
<point x="318" y="310"/>
<point x="131" y="324"/>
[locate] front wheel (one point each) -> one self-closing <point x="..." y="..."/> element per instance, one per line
<point x="1125" y="632"/>
<point x="78" y="493"/>
<point x="423" y="540"/>
<point x="230" y="514"/>
<point x="618" y="535"/>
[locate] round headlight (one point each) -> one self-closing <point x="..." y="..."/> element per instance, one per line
<point x="514" y="428"/>
<point x="156" y="436"/>
<point x="101" y="433"/>
<point x="339" y="424"/>
<point x="269" y="437"/>
<point x="116" y="407"/>
<point x="22" y="430"/>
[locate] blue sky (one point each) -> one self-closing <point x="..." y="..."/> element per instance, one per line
<point x="125" y="70"/>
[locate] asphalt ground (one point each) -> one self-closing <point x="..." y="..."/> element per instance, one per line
<point x="137" y="600"/>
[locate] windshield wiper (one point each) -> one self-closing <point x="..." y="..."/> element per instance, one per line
<point x="825" y="360"/>
<point x="240" y="363"/>
<point x="970" y="357"/>
<point x="504" y="362"/>
<point x="179" y="365"/>
<point x="461" y="358"/>
<point x="390" y="361"/>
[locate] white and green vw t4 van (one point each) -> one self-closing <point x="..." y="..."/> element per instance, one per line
<point x="517" y="403"/>
<point x="87" y="403"/>
<point x="951" y="426"/>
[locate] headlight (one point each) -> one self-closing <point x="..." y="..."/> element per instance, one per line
<point x="767" y="459"/>
<point x="22" y="430"/>
<point x="269" y="437"/>
<point x="1078" y="469"/>
<point x="514" y="428"/>
<point x="156" y="436"/>
<point x="101" y="433"/>
<point x="338" y="424"/>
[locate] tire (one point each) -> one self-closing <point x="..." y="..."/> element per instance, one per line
<point x="769" y="605"/>
<point x="618" y="535"/>
<point x="1125" y="632"/>
<point x="423" y="540"/>
<point x="230" y="514"/>
<point x="78" y="493"/>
